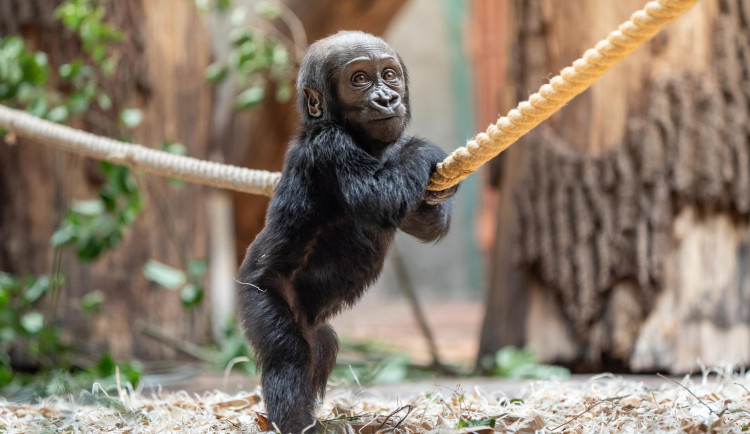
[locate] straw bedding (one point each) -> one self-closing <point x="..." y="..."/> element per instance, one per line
<point x="604" y="403"/>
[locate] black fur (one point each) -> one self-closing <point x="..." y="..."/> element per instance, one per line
<point x="335" y="212"/>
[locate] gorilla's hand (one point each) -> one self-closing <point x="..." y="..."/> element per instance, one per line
<point x="436" y="197"/>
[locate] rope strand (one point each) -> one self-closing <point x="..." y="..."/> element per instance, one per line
<point x="139" y="157"/>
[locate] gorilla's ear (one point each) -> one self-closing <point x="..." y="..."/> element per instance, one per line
<point x="314" y="102"/>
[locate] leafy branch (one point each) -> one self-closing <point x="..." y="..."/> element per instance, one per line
<point x="260" y="56"/>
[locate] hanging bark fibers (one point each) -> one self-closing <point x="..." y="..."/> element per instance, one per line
<point x="590" y="223"/>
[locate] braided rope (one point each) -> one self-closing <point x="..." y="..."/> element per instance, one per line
<point x="571" y="81"/>
<point x="139" y="157"/>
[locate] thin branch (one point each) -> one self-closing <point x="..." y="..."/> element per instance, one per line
<point x="407" y="287"/>
<point x="186" y="347"/>
<point x="574" y="418"/>
<point x="689" y="391"/>
<point x="297" y="29"/>
<point x="394" y="412"/>
<point x="742" y="386"/>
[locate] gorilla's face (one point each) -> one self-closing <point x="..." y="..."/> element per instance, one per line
<point x="371" y="90"/>
<point x="358" y="81"/>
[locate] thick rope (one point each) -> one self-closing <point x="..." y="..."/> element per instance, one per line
<point x="571" y="81"/>
<point x="139" y="157"/>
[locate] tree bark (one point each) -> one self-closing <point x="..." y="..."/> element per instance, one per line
<point x="506" y="299"/>
<point x="156" y="74"/>
<point x="263" y="135"/>
<point x="631" y="219"/>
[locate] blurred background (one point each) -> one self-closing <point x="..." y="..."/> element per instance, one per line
<point x="613" y="237"/>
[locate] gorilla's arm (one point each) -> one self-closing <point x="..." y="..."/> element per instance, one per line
<point x="430" y="220"/>
<point x="371" y="190"/>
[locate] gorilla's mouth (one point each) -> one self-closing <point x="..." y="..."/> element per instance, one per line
<point x="383" y="113"/>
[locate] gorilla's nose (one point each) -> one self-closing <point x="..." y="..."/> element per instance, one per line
<point x="385" y="100"/>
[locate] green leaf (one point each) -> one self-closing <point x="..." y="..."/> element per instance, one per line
<point x="392" y="369"/>
<point x="35" y="71"/>
<point x="511" y="358"/>
<point x="239" y="36"/>
<point x="92" y="301"/>
<point x="267" y="10"/>
<point x="65" y="234"/>
<point x="14" y="46"/>
<point x="197" y="268"/>
<point x="108" y="66"/>
<point x="191" y="295"/>
<point x="130" y="213"/>
<point x="57" y="280"/>
<point x="164" y="275"/>
<point x="7" y="334"/>
<point x="37" y="290"/>
<point x="250" y="98"/>
<point x="39" y="108"/>
<point x="284" y="92"/>
<point x="70" y="70"/>
<point x="106" y="365"/>
<point x="40" y="58"/>
<point x="89" y="208"/>
<point x="32" y="322"/>
<point x="78" y="103"/>
<point x="7" y="281"/>
<point x="104" y="101"/>
<point x="26" y="92"/>
<point x="129" y="372"/>
<point x="280" y="56"/>
<point x="463" y="423"/>
<point x="89" y="248"/>
<point x="89" y="89"/>
<point x="216" y="72"/>
<point x="131" y="118"/>
<point x="222" y="5"/>
<point x="6" y="90"/>
<point x="58" y="114"/>
<point x="174" y="148"/>
<point x="238" y="17"/>
<point x="542" y="372"/>
<point x="4" y="299"/>
<point x="512" y="362"/>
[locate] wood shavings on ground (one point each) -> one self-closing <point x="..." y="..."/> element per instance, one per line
<point x="605" y="403"/>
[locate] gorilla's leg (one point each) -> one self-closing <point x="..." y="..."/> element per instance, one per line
<point x="325" y="346"/>
<point x="284" y="358"/>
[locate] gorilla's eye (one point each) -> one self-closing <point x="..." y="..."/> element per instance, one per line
<point x="389" y="75"/>
<point x="360" y="78"/>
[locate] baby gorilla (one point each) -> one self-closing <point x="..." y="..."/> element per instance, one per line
<point x="351" y="178"/>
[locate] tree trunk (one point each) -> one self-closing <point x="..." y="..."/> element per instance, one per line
<point x="161" y="70"/>
<point x="631" y="218"/>
<point x="263" y="135"/>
